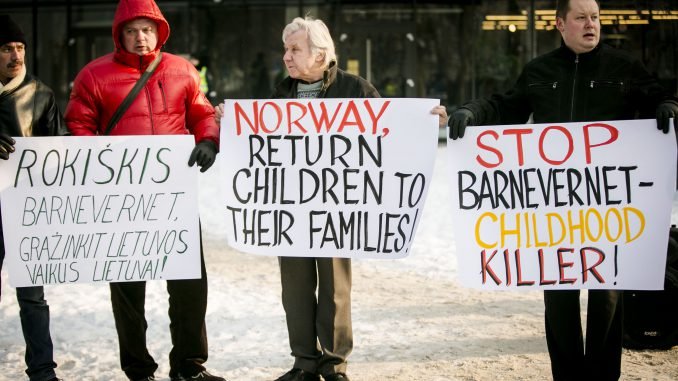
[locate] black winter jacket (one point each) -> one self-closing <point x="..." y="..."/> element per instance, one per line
<point x="336" y="84"/>
<point x="561" y="86"/>
<point x="31" y="110"/>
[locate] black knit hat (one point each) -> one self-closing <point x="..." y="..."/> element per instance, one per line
<point x="10" y="31"/>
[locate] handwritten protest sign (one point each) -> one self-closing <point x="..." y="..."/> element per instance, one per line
<point x="566" y="206"/>
<point x="326" y="177"/>
<point x="100" y="209"/>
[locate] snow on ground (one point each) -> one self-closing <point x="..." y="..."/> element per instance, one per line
<point x="412" y="320"/>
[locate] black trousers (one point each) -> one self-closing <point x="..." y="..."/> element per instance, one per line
<point x="600" y="360"/>
<point x="34" y="315"/>
<point x="187" y="308"/>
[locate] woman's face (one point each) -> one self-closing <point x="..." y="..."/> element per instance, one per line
<point x="300" y="62"/>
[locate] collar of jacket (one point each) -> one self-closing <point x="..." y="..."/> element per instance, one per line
<point x="568" y="54"/>
<point x="14" y="82"/>
<point x="288" y="87"/>
<point x="134" y="60"/>
<point x="329" y="76"/>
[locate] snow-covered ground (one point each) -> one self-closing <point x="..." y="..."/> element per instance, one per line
<point x="412" y="321"/>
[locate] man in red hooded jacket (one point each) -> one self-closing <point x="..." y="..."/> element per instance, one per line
<point x="170" y="103"/>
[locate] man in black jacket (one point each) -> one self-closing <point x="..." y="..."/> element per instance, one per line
<point x="580" y="81"/>
<point x="27" y="108"/>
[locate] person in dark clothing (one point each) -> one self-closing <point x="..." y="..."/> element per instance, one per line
<point x="27" y="108"/>
<point x="171" y="103"/>
<point x="580" y="81"/>
<point x="319" y="328"/>
<point x="318" y="325"/>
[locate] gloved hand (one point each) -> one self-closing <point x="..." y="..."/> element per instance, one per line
<point x="6" y="146"/>
<point x="203" y="154"/>
<point x="459" y="119"/>
<point x="666" y="111"/>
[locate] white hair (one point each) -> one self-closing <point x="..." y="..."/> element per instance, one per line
<point x="319" y="38"/>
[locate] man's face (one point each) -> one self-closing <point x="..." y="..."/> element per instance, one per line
<point x="140" y="36"/>
<point x="11" y="60"/>
<point x="581" y="27"/>
<point x="300" y="62"/>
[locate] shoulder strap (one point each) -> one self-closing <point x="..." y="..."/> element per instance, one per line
<point x="132" y="94"/>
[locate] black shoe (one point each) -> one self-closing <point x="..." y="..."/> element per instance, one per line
<point x="297" y="374"/>
<point x="55" y="379"/>
<point x="202" y="376"/>
<point x="336" y="377"/>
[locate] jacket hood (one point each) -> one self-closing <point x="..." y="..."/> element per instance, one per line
<point x="129" y="10"/>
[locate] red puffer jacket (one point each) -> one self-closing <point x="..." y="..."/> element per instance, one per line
<point x="170" y="103"/>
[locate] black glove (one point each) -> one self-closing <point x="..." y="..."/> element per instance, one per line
<point x="203" y="154"/>
<point x="460" y="118"/>
<point x="666" y="111"/>
<point x="6" y="146"/>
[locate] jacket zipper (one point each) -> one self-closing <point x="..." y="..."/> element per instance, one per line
<point x="148" y="97"/>
<point x="553" y="85"/>
<point x="574" y="87"/>
<point x="162" y="92"/>
<point x="150" y="109"/>
<point x="602" y="83"/>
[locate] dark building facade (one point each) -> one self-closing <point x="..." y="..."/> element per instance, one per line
<point x="451" y="50"/>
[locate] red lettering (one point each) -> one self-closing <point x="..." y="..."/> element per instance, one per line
<point x="543" y="281"/>
<point x="507" y="265"/>
<point x="278" y="115"/>
<point x="323" y="119"/>
<point x="519" y="271"/>
<point x="268" y="117"/>
<point x="500" y="157"/>
<point x="351" y="110"/>
<point x="486" y="269"/>
<point x="570" y="144"/>
<point x="592" y="269"/>
<point x="240" y="114"/>
<point x="375" y="120"/>
<point x="518" y="132"/>
<point x="614" y="133"/>
<point x="562" y="265"/>
<point x="295" y="122"/>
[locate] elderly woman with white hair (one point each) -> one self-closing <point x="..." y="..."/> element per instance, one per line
<point x="319" y="327"/>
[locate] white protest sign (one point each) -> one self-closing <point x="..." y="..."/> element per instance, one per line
<point x="100" y="209"/>
<point x="563" y="206"/>
<point x="326" y="177"/>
